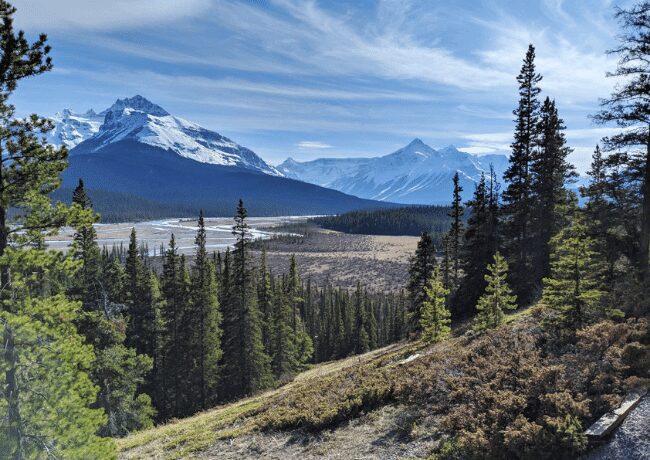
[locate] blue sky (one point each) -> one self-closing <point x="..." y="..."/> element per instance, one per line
<point x="314" y="79"/>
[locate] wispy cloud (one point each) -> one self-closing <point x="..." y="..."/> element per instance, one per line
<point x="313" y="145"/>
<point x="103" y="15"/>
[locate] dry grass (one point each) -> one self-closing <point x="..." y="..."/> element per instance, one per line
<point x="463" y="396"/>
<point x="184" y="438"/>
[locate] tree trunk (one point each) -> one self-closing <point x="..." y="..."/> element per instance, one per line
<point x="645" y="217"/>
<point x="11" y="393"/>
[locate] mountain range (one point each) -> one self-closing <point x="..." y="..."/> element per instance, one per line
<point x="414" y="174"/>
<point x="137" y="149"/>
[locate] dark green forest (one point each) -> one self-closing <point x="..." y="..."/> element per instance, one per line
<point x="408" y="220"/>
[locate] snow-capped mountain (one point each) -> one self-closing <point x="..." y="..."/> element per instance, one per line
<point x="137" y="119"/>
<point x="140" y="153"/>
<point x="414" y="174"/>
<point x="71" y="129"/>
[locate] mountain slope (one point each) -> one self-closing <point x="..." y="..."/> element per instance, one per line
<point x="71" y="129"/>
<point x="138" y="119"/>
<point x="140" y="150"/>
<point x="414" y="174"/>
<point x="159" y="175"/>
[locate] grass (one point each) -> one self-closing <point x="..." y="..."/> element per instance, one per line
<point x="185" y="437"/>
<point x="451" y="392"/>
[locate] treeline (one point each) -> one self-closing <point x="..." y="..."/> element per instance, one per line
<point x="531" y="242"/>
<point x="408" y="220"/>
<point x="125" y="207"/>
<point x="214" y="330"/>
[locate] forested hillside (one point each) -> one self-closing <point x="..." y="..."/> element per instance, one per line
<point x="410" y="220"/>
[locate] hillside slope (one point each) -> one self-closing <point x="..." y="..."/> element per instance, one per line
<point x="156" y="175"/>
<point x="502" y="393"/>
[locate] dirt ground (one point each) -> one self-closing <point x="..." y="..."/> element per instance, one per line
<point x="379" y="262"/>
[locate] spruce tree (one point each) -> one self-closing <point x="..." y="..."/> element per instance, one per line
<point x="205" y="342"/>
<point x="360" y="334"/>
<point x="628" y="108"/>
<point x="497" y="297"/>
<point x="265" y="302"/>
<point x="455" y="234"/>
<point x="436" y="318"/>
<point x="550" y="172"/>
<point x="517" y="198"/>
<point x="573" y="291"/>
<point x="246" y="368"/>
<point x="420" y="270"/>
<point x="118" y="371"/>
<point x="303" y="343"/>
<point x="176" y="368"/>
<point x="599" y="210"/>
<point x="476" y="251"/>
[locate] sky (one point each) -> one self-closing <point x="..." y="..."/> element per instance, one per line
<point x="311" y="79"/>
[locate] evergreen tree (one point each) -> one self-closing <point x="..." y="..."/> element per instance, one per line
<point x="206" y="318"/>
<point x="88" y="285"/>
<point x="50" y="415"/>
<point x="517" y="198"/>
<point x="303" y="343"/>
<point x="550" y="171"/>
<point x="117" y="371"/>
<point x="246" y="368"/>
<point x="455" y="234"/>
<point x="435" y="319"/>
<point x="46" y="391"/>
<point x="628" y="108"/>
<point x="360" y="334"/>
<point x="497" y="297"/>
<point x="176" y="368"/>
<point x="476" y="252"/>
<point x="265" y="302"/>
<point x="573" y="291"/>
<point x="420" y="270"/>
<point x="599" y="210"/>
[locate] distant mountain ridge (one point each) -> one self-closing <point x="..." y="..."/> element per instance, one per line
<point x="139" y="158"/>
<point x="141" y="120"/>
<point x="414" y="174"/>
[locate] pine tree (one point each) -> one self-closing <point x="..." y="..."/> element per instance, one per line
<point x="360" y="334"/>
<point x="550" y="172"/>
<point x="265" y="302"/>
<point x="52" y="415"/>
<point x="599" y="210"/>
<point x="420" y="270"/>
<point x="435" y="319"/>
<point x="517" y="205"/>
<point x="206" y="317"/>
<point x="455" y="234"/>
<point x="46" y="391"/>
<point x="497" y="297"/>
<point x="476" y="251"/>
<point x="88" y="286"/>
<point x="118" y="371"/>
<point x="628" y="108"/>
<point x="172" y="398"/>
<point x="303" y="343"/>
<point x="573" y="291"/>
<point x="246" y="368"/>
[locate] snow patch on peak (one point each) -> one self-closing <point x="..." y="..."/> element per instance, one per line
<point x="136" y="103"/>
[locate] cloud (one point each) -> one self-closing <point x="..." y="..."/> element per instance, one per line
<point x="103" y="15"/>
<point x="312" y="145"/>
<point x="477" y="150"/>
